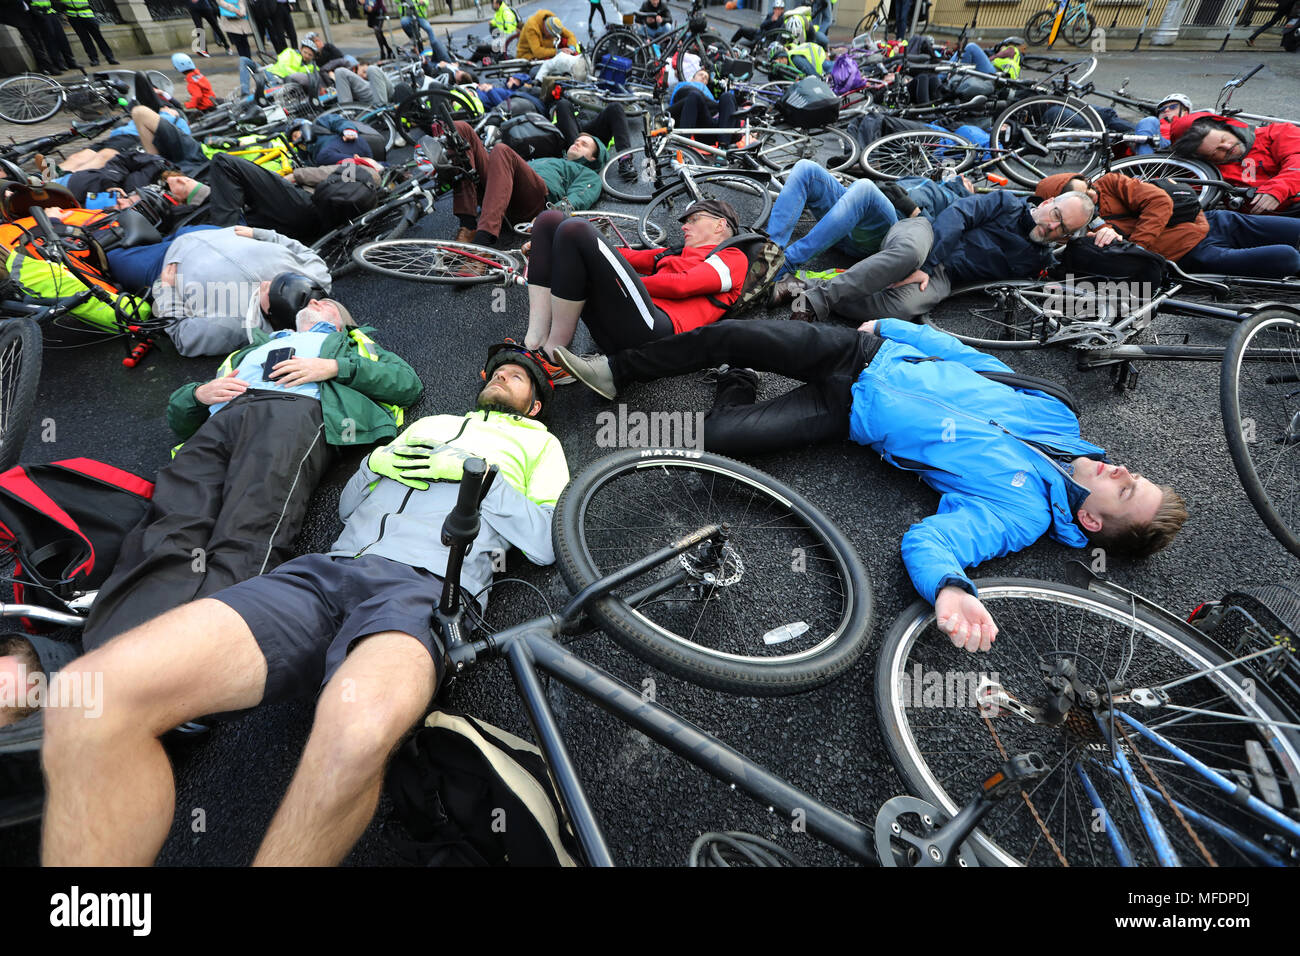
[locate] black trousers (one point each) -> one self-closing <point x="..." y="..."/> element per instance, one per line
<point x="87" y="29"/>
<point x="210" y="14"/>
<point x="262" y="199"/>
<point x="692" y="110"/>
<point x="50" y="27"/>
<point x="282" y="26"/>
<point x="609" y="123"/>
<point x="12" y="15"/>
<point x="226" y="509"/>
<point x="828" y="359"/>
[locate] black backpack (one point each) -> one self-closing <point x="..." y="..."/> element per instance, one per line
<point x="1121" y="260"/>
<point x="466" y="793"/>
<point x="765" y="260"/>
<point x="64" y="524"/>
<point x="533" y="136"/>
<point x="345" y="194"/>
<point x="1186" y="206"/>
<point x="810" y="103"/>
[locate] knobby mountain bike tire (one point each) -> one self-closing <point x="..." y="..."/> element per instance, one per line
<point x="748" y="194"/>
<point x="20" y="371"/>
<point x="786" y="609"/>
<point x="951" y="717"/>
<point x="1258" y="387"/>
<point x="439" y="261"/>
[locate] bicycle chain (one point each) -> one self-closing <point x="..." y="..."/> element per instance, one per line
<point x="1025" y="797"/>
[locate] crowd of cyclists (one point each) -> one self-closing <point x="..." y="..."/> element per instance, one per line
<point x="300" y="382"/>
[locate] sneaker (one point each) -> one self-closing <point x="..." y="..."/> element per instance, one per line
<point x="203" y="53"/>
<point x="591" y="370"/>
<point x="559" y="376"/>
<point x="464" y="235"/>
<point x="627" y="169"/>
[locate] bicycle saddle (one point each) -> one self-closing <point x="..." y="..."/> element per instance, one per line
<point x="1033" y="144"/>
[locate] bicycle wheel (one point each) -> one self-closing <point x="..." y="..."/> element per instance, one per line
<point x="642" y="188"/>
<point x="1068" y="76"/>
<point x="438" y="261"/>
<point x="779" y="149"/>
<point x="1009" y="315"/>
<point x="748" y="194"/>
<point x="20" y="371"/>
<point x="619" y="228"/>
<point x="1158" y="166"/>
<point x="1079" y="30"/>
<point x="389" y="221"/>
<point x="29" y="98"/>
<point x="1048" y="134"/>
<point x="742" y="622"/>
<point x="950" y="718"/>
<point x="1260" y="400"/>
<point x="918" y="152"/>
<point x="1039" y="27"/>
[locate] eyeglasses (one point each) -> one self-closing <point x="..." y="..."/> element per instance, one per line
<point x="695" y="218"/>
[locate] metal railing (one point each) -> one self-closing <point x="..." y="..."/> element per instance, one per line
<point x="106" y="11"/>
<point x="995" y="18"/>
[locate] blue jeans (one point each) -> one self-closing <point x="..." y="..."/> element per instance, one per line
<point x="247" y="69"/>
<point x="854" y="219"/>
<point x="1149" y="126"/>
<point x="804" y="65"/>
<point x="977" y="58"/>
<point x="653" y="32"/>
<point x="435" y="45"/>
<point x="1237" y="244"/>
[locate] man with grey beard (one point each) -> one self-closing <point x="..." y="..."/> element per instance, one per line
<point x="978" y="239"/>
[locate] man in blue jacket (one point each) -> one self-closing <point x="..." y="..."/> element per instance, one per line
<point x="1008" y="462"/>
<point x="977" y="239"/>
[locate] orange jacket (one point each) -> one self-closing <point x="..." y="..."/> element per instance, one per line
<point x="1138" y="211"/>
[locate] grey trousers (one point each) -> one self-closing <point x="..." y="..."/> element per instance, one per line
<point x="863" y="292"/>
<point x="352" y="88"/>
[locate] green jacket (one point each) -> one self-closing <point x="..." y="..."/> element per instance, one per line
<point x="565" y="179"/>
<point x="361" y="405"/>
<point x="290" y="62"/>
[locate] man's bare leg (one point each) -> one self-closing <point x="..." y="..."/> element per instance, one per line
<point x="383" y="687"/>
<point x="146" y="123"/>
<point x="86" y="159"/>
<point x="110" y="793"/>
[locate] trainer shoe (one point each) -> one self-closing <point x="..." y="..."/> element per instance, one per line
<point x="464" y="235"/>
<point x="627" y="168"/>
<point x="591" y="370"/>
<point x="786" y="290"/>
<point x="559" y="375"/>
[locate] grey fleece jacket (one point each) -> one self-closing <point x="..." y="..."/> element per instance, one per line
<point x="387" y="518"/>
<point x="216" y="277"/>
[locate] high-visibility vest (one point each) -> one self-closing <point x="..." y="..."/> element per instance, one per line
<point x="42" y="6"/>
<point x="416" y="8"/>
<point x="1010" y="65"/>
<point x="78" y="8"/>
<point x="505" y="20"/>
<point x="813" y="53"/>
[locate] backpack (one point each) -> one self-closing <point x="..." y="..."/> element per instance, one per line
<point x="1291" y="35"/>
<point x="810" y="103"/>
<point x="466" y="793"/>
<point x="765" y="260"/>
<point x="1186" y="206"/>
<point x="345" y="194"/>
<point x="1121" y="260"/>
<point x="64" y="523"/>
<point x="533" y="136"/>
<point x="846" y="76"/>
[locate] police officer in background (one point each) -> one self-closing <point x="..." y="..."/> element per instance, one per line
<point x="82" y="19"/>
<point x="15" y="13"/>
<point x="50" y="28"/>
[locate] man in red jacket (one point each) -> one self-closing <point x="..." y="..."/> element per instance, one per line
<point x="1266" y="157"/>
<point x="629" y="297"/>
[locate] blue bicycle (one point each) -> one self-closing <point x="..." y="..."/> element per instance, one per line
<point x="1165" y="743"/>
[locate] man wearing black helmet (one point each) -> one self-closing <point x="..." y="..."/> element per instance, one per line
<point x="350" y="626"/>
<point x="257" y="440"/>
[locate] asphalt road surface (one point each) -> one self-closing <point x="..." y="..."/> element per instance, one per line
<point x="652" y="804"/>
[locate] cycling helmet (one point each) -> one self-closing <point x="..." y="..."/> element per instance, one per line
<point x="1180" y="98"/>
<point x="182" y="63"/>
<point x="776" y="51"/>
<point x="465" y="103"/>
<point x="304" y="127"/>
<point x="289" y="294"/>
<point x="797" y="28"/>
<point x="1012" y="40"/>
<point x="554" y="27"/>
<point x="505" y="353"/>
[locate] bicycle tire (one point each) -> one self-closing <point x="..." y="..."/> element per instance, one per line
<point x="30" y="98"/>
<point x="779" y="149"/>
<point x="642" y="189"/>
<point x="1079" y="30"/>
<point x="1158" y="165"/>
<point x="20" y="372"/>
<point x="1039" y="27"/>
<point x="1258" y="410"/>
<point x="748" y="194"/>
<point x="606" y="223"/>
<point x="977" y="316"/>
<point x="917" y="152"/>
<point x="1082" y="156"/>
<point x="437" y="261"/>
<point x="679" y="485"/>
<point x="389" y="221"/>
<point x="945" y="738"/>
